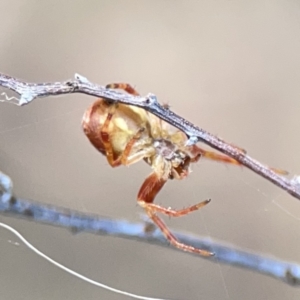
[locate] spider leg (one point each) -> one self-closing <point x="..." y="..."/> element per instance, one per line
<point x="123" y="86"/>
<point x="279" y="171"/>
<point x="150" y="188"/>
<point x="127" y="159"/>
<point x="135" y="157"/>
<point x="199" y="152"/>
<point x="124" y="158"/>
<point x="177" y="212"/>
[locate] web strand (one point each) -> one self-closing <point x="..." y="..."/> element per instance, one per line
<point x="72" y="272"/>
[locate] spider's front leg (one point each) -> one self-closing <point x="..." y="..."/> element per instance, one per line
<point x="150" y="188"/>
<point x="200" y="152"/>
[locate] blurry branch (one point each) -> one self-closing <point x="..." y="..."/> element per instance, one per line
<point x="80" y="222"/>
<point x="30" y="91"/>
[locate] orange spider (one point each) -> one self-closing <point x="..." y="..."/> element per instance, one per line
<point x="127" y="134"/>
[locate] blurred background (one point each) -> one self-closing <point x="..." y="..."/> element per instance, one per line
<point x="231" y="67"/>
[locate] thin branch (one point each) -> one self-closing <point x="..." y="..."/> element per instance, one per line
<point x="80" y="222"/>
<point x="30" y="91"/>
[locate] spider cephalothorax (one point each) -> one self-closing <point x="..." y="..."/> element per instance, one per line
<point x="127" y="134"/>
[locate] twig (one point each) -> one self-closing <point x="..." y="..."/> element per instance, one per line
<point x="10" y="205"/>
<point x="29" y="91"/>
<point x="76" y="221"/>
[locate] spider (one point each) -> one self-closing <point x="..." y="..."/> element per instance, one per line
<point x="127" y="134"/>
